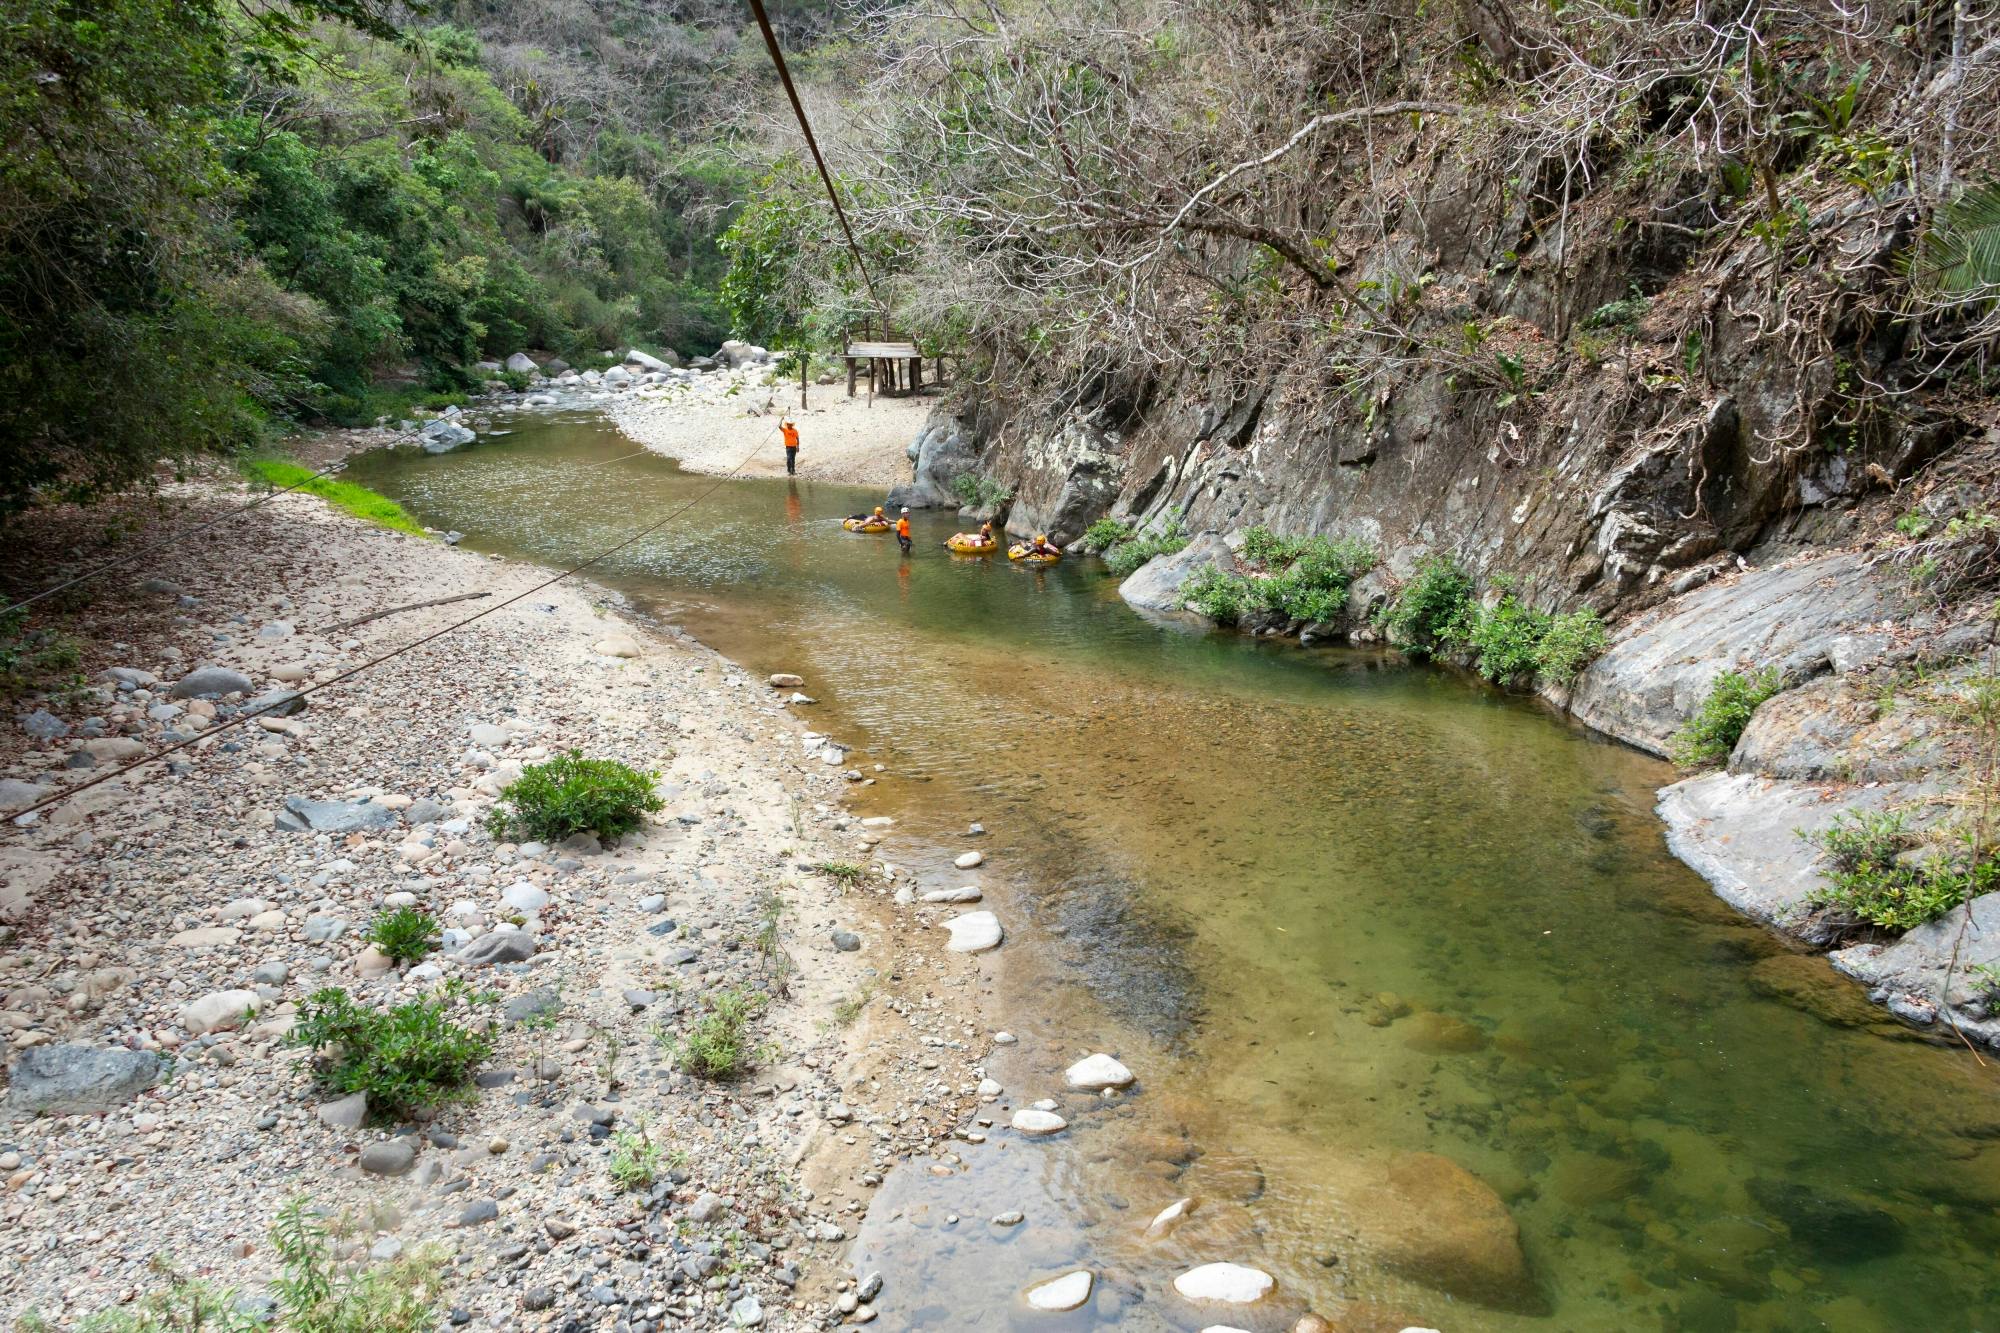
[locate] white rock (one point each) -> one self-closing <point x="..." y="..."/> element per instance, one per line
<point x="1004" y="1039"/>
<point x="218" y="1011"/>
<point x="206" y="937"/>
<point x="238" y="909"/>
<point x="1031" y="1121"/>
<point x="525" y="897"/>
<point x="617" y="645"/>
<point x="1064" y="1293"/>
<point x="1227" y="1284"/>
<point x="489" y="737"/>
<point x="968" y="860"/>
<point x="1094" y="1073"/>
<point x="973" y="932"/>
<point x="1223" y="1328"/>
<point x="877" y="821"/>
<point x="989" y="1089"/>
<point x="271" y="920"/>
<point x="969" y="894"/>
<point x="785" y="680"/>
<point x="1169" y="1217"/>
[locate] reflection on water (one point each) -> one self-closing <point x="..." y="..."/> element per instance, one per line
<point x="1424" y="1015"/>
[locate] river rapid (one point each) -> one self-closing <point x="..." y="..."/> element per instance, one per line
<point x="1402" y="963"/>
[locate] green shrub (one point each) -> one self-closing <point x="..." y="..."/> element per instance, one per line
<point x="846" y="872"/>
<point x="407" y="1059"/>
<point x="1571" y="641"/>
<point x="405" y="934"/>
<point x="977" y="492"/>
<point x="1216" y="593"/>
<point x="315" y="1292"/>
<point x="1124" y="556"/>
<point x="1873" y="875"/>
<point x="1432" y="609"/>
<point x="1505" y="638"/>
<point x="635" y="1159"/>
<point x="1312" y="586"/>
<point x="570" y="794"/>
<point x="713" y="1047"/>
<point x="34" y="660"/>
<point x="1711" y="734"/>
<point x="1104" y="534"/>
<point x="1267" y="547"/>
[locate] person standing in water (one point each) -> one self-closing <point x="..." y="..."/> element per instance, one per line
<point x="791" y="434"/>
<point x="903" y="532"/>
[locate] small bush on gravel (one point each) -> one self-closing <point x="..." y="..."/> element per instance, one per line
<point x="845" y="872"/>
<point x="315" y="1292"/>
<point x="713" y="1047"/>
<point x="570" y="794"/>
<point x="407" y="1059"/>
<point x="635" y="1159"/>
<point x="405" y="934"/>
<point x="1711" y="734"/>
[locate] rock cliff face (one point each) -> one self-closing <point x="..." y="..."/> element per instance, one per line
<point x="1709" y="491"/>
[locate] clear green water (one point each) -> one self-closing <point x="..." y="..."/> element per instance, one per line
<point x="1338" y="914"/>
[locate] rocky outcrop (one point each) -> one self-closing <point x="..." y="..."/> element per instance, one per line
<point x="1062" y="503"/>
<point x="1928" y="976"/>
<point x="1805" y="617"/>
<point x="943" y="451"/>
<point x="1156" y="585"/>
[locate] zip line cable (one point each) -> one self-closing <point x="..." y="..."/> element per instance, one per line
<point x="14" y="818"/>
<point x="174" y="539"/>
<point x="826" y="177"/>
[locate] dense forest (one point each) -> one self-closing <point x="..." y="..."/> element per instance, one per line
<point x="217" y="217"/>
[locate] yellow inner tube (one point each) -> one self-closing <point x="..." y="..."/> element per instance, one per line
<point x="1022" y="554"/>
<point x="864" y="525"/>
<point x="967" y="544"/>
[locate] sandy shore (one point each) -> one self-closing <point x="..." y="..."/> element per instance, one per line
<point x="711" y="423"/>
<point x="141" y="910"/>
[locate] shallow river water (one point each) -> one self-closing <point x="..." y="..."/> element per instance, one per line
<point x="1387" y="950"/>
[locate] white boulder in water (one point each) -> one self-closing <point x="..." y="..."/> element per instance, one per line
<point x="1031" y="1120"/>
<point x="968" y="860"/>
<point x="973" y="932"/>
<point x="1064" y="1293"/>
<point x="1168" y="1218"/>
<point x="1225" y="1284"/>
<point x="1094" y="1073"/>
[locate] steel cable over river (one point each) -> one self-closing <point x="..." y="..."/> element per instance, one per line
<point x="1423" y="1013"/>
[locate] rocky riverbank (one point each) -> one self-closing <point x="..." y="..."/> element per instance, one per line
<point x="161" y="930"/>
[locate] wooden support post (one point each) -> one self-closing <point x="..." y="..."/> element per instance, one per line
<point x="916" y="374"/>
<point x="851" y="369"/>
<point x="804" y="359"/>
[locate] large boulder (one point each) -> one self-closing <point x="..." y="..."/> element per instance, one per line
<point x="1434" y="1222"/>
<point x="1156" y="585"/>
<point x="77" y="1080"/>
<point x="301" y="814"/>
<point x="1804" y="618"/>
<point x="1929" y="972"/>
<point x="635" y="357"/>
<point x="212" y="683"/>
<point x="522" y="364"/>
<point x="442" y="436"/>
<point x="736" y="353"/>
<point x="943" y="451"/>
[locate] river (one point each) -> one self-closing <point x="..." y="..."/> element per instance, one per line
<point x="1386" y="948"/>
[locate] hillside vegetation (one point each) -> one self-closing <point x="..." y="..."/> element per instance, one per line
<point x="216" y="216"/>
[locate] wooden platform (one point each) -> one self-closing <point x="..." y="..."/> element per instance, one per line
<point x="892" y="362"/>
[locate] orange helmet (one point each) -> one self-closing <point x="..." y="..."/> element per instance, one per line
<point x="878" y="509"/>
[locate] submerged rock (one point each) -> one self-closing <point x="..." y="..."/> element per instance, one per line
<point x="1094" y="1073"/>
<point x="1067" y="1292"/>
<point x="1434" y="1222"/>
<point x="1225" y="1284"/>
<point x="974" y="932"/>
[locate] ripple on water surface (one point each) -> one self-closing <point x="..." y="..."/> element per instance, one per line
<point x="1425" y="1018"/>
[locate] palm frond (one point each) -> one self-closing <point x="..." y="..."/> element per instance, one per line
<point x="1960" y="254"/>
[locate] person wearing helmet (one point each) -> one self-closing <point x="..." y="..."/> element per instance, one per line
<point x="1040" y="545"/>
<point x="902" y="530"/>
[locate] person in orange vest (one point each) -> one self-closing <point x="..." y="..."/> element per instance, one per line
<point x="903" y="532"/>
<point x="791" y="434"/>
